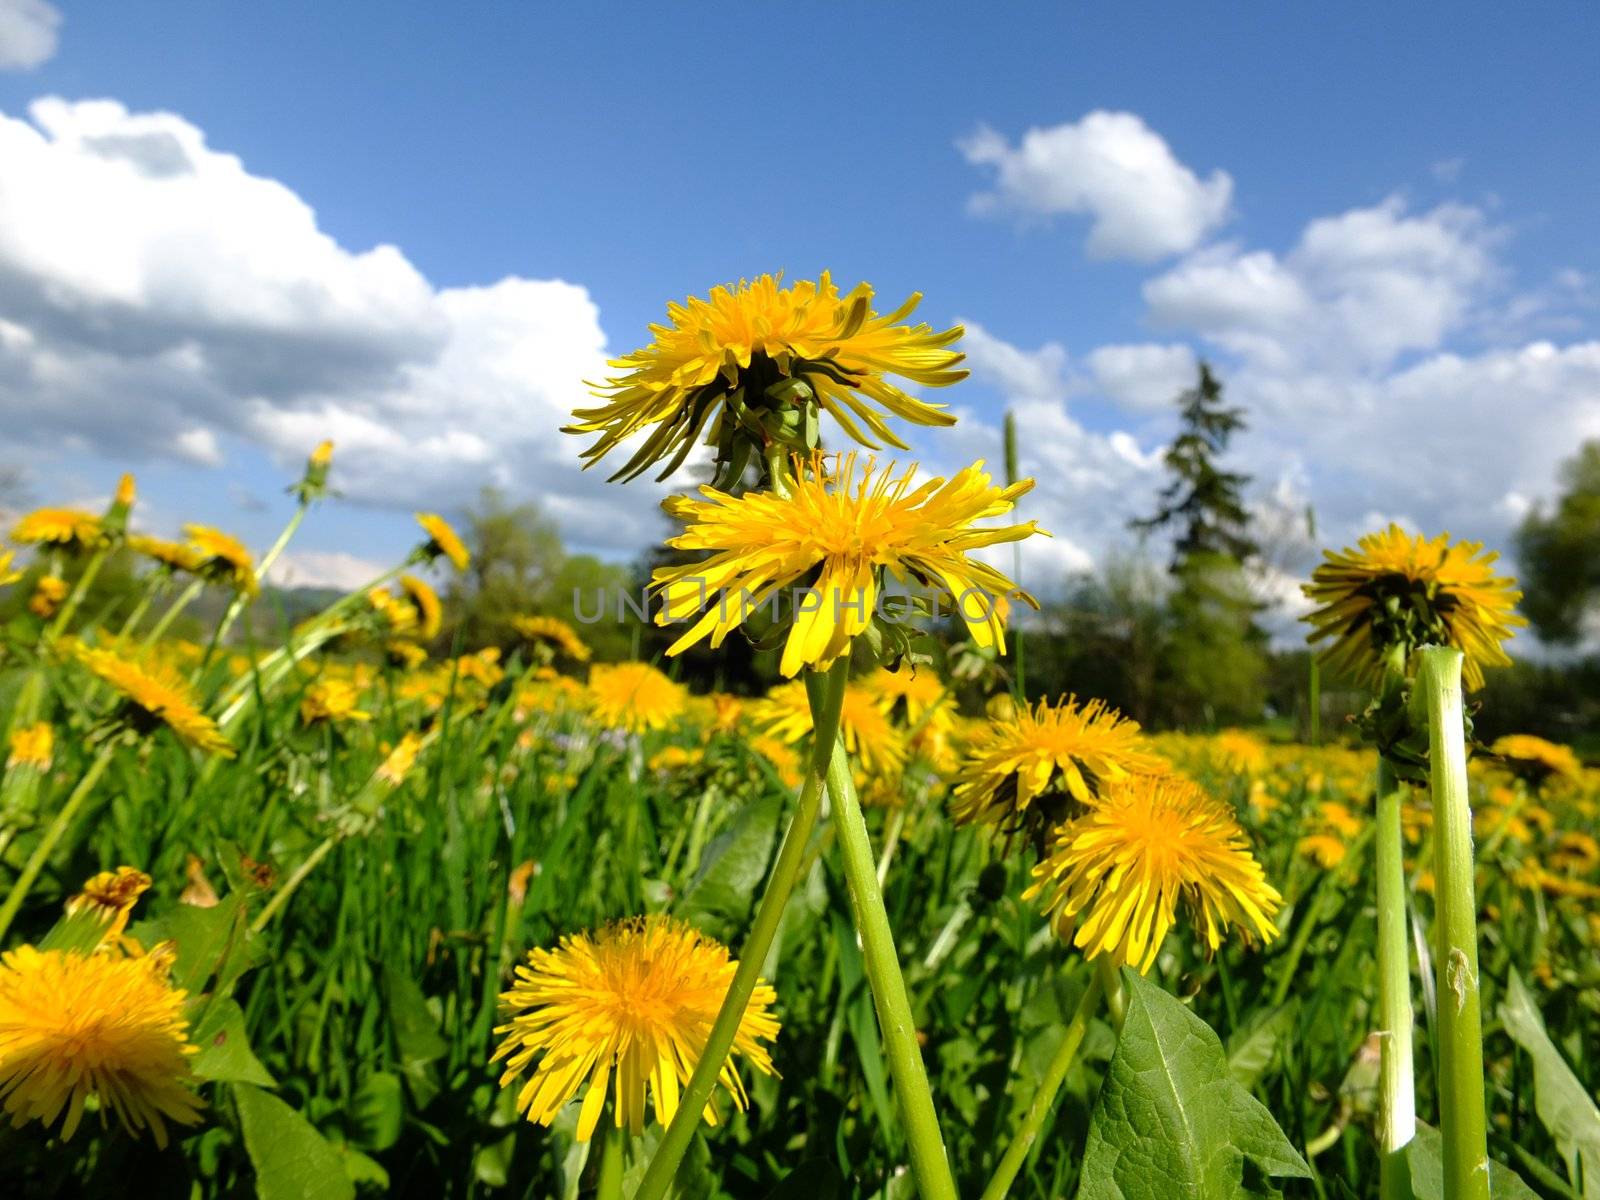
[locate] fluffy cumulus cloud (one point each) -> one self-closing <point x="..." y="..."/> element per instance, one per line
<point x="27" y="33"/>
<point x="1142" y="202"/>
<point x="162" y="300"/>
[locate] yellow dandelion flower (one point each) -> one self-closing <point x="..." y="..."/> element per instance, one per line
<point x="1339" y="818"/>
<point x="1239" y="751"/>
<point x="425" y="601"/>
<point x="918" y="696"/>
<point x="1117" y="874"/>
<point x="110" y="896"/>
<point x="408" y="656"/>
<point x="104" y="1025"/>
<point x="1535" y="759"/>
<point x="67" y="528"/>
<point x="223" y="559"/>
<point x="399" y="761"/>
<point x="48" y="593"/>
<point x="443" y="541"/>
<point x="830" y="541"/>
<point x="322" y="455"/>
<point x="175" y="556"/>
<point x="32" y="746"/>
<point x="552" y="632"/>
<point x="635" y="1001"/>
<point x="157" y="695"/>
<point x="1575" y="853"/>
<point x="333" y="701"/>
<point x="635" y="696"/>
<point x="8" y="573"/>
<point x="875" y="744"/>
<point x="1400" y="590"/>
<point x="1030" y="772"/>
<point x="1324" y="849"/>
<point x="726" y="360"/>
<point x="482" y="668"/>
<point x="675" y="758"/>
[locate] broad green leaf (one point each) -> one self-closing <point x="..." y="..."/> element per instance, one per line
<point x="1252" y="1049"/>
<point x="1170" y="1120"/>
<point x="292" y="1160"/>
<point x="225" y="1055"/>
<point x="213" y="943"/>
<point x="1424" y="1157"/>
<point x="377" y="1111"/>
<point x="720" y="898"/>
<point x="416" y="1033"/>
<point x="1566" y="1109"/>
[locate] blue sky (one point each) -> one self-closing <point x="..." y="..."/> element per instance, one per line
<point x="1369" y="214"/>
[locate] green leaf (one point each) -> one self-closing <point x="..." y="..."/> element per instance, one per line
<point x="225" y="1055"/>
<point x="377" y="1111"/>
<point x="213" y="943"/>
<point x="1252" y="1049"/>
<point x="1566" y="1109"/>
<point x="360" y="1169"/>
<point x="1171" y="1120"/>
<point x="292" y="1160"/>
<point x="1425" y="1158"/>
<point x="720" y="898"/>
<point x="416" y="1033"/>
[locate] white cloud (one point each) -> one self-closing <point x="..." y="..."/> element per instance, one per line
<point x="1143" y="203"/>
<point x="1357" y="291"/>
<point x="326" y="569"/>
<point x="161" y="299"/>
<point x="27" y="33"/>
<point x="1019" y="374"/>
<point x="1143" y="378"/>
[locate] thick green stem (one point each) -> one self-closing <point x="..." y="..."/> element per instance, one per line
<point x="930" y="1165"/>
<point x="1044" y="1100"/>
<point x="1397" y="1101"/>
<point x="827" y="697"/>
<point x="1460" y="1027"/>
<point x="53" y="834"/>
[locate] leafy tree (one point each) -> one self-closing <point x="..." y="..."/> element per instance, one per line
<point x="1213" y="665"/>
<point x="1203" y="501"/>
<point x="1560" y="552"/>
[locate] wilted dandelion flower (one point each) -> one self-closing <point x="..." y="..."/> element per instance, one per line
<point x="223" y="559"/>
<point x="737" y="359"/>
<point x="333" y="701"/>
<point x="635" y="696"/>
<point x="175" y="556"/>
<point x="104" y="1025"/>
<point x="156" y="695"/>
<point x="110" y="896"/>
<point x="1405" y="591"/>
<point x="32" y="746"/>
<point x="1030" y="772"/>
<point x="833" y="537"/>
<point x="635" y="1000"/>
<point x="66" y="528"/>
<point x="424" y="602"/>
<point x="1118" y="873"/>
<point x="1536" y="760"/>
<point x="443" y="541"/>
<point x="48" y="593"/>
<point x="552" y="632"/>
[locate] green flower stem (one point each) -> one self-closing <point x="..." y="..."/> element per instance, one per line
<point x="930" y="1165"/>
<point x="1397" y="1101"/>
<point x="1460" y="1027"/>
<point x="609" y="1185"/>
<point x="1111" y="982"/>
<point x="240" y="599"/>
<point x="1044" y="1100"/>
<point x="52" y="835"/>
<point x="79" y="591"/>
<point x="891" y="838"/>
<point x="827" y="698"/>
<point x="161" y="626"/>
<point x="291" y="884"/>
